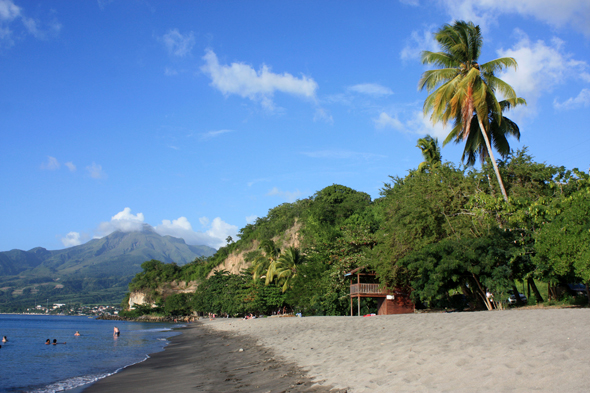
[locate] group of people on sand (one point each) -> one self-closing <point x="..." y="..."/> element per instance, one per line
<point x="251" y="316"/>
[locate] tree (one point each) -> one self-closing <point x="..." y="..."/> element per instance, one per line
<point x="563" y="244"/>
<point x="262" y="262"/>
<point x="497" y="134"/>
<point x="463" y="89"/>
<point x="284" y="269"/>
<point x="430" y="151"/>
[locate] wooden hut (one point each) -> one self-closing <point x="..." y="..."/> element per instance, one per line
<point x="389" y="302"/>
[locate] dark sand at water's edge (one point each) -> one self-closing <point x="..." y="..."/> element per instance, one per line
<point x="200" y="360"/>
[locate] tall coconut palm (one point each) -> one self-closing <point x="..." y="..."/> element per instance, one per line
<point x="284" y="269"/>
<point x="463" y="89"/>
<point x="497" y="133"/>
<point x="430" y="152"/>
<point x="262" y="262"/>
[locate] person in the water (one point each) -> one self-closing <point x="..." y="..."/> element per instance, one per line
<point x="48" y="342"/>
<point x="77" y="333"/>
<point x="116" y="332"/>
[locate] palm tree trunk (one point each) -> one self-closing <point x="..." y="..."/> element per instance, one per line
<point x="485" y="137"/>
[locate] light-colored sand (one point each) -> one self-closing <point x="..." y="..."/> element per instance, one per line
<point x="498" y="351"/>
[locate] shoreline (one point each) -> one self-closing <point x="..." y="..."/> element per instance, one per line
<point x="203" y="360"/>
<point x="500" y="351"/>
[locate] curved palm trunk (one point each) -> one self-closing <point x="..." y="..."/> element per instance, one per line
<point x="485" y="137"/>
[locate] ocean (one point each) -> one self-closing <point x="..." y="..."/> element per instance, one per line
<point x="28" y="365"/>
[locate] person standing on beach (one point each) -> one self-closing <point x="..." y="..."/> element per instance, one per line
<point x="116" y="332"/>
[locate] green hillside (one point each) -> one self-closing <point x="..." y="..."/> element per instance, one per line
<point x="443" y="233"/>
<point x="95" y="272"/>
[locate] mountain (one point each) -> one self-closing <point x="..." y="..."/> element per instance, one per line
<point x="98" y="269"/>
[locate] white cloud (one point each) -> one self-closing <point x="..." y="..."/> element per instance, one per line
<point x="574" y="13"/>
<point x="70" y="166"/>
<point x="323" y="115"/>
<point x="243" y="80"/>
<point x="103" y="3"/>
<point x="71" y="239"/>
<point x="214" y="237"/>
<point x="583" y="99"/>
<point x="213" y="134"/>
<point x="541" y="67"/>
<point x="123" y="221"/>
<point x="287" y="195"/>
<point x="251" y="219"/>
<point x="95" y="171"/>
<point x="416" y="124"/>
<point x="170" y="72"/>
<point x="51" y="164"/>
<point x="386" y="121"/>
<point x="178" y="44"/>
<point x="11" y="13"/>
<point x="372" y="89"/>
<point x="419" y="41"/>
<point x="8" y="10"/>
<point x="557" y="13"/>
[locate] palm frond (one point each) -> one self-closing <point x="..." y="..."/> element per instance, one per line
<point x="495" y="65"/>
<point x="432" y="78"/>
<point x="440" y="59"/>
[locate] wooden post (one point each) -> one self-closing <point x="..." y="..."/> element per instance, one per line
<point x="351" y="296"/>
<point x="358" y="280"/>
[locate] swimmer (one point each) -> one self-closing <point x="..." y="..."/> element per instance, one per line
<point x="48" y="342"/>
<point x="116" y="332"/>
<point x="77" y="333"/>
<point x="4" y="339"/>
<point x="55" y="342"/>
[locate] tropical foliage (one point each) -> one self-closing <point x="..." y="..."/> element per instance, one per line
<point x="446" y="233"/>
<point x="464" y="90"/>
<point x="430" y="151"/>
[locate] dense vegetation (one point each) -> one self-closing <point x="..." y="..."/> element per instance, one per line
<point x="442" y="231"/>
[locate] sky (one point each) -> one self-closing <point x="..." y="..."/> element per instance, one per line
<point x="197" y="117"/>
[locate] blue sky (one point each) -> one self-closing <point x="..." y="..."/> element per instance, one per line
<point x="197" y="117"/>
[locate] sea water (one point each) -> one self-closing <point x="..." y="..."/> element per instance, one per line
<point x="28" y="365"/>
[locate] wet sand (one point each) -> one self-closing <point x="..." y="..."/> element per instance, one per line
<point x="202" y="360"/>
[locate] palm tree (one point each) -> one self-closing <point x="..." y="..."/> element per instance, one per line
<point x="262" y="262"/>
<point x="430" y="152"/>
<point x="284" y="269"/>
<point x="497" y="133"/>
<point x="462" y="89"/>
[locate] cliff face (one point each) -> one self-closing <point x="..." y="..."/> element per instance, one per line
<point x="140" y="298"/>
<point x="234" y="264"/>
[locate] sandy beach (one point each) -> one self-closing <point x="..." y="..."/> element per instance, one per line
<point x="500" y="351"/>
<point x="201" y="360"/>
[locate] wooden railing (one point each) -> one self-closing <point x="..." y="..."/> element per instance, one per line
<point x="367" y="289"/>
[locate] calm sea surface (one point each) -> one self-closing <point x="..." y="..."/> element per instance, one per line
<point x="28" y="365"/>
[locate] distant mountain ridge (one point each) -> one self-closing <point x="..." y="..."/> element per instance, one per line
<point x="114" y="259"/>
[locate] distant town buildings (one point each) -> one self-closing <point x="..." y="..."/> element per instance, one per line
<point x="64" y="309"/>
